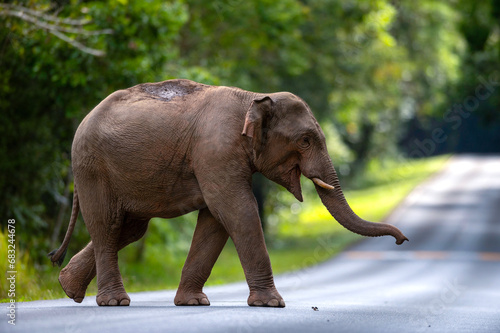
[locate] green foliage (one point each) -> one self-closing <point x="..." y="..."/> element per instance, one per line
<point x="31" y="283"/>
<point x="245" y="43"/>
<point x="471" y="34"/>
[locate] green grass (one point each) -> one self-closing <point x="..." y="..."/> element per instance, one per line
<point x="31" y="282"/>
<point x="299" y="235"/>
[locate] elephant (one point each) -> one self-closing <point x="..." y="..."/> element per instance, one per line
<point x="169" y="148"/>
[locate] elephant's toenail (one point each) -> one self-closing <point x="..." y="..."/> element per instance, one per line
<point x="273" y="302"/>
<point x="204" y="301"/>
<point x="113" y="302"/>
<point x="125" y="302"/>
<point x="78" y="299"/>
<point x="258" y="303"/>
<point x="193" y="302"/>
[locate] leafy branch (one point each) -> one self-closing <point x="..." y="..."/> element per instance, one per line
<point x="59" y="27"/>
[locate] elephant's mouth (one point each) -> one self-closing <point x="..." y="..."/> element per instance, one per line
<point x="294" y="183"/>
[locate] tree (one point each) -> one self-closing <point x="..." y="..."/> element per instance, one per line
<point x="466" y="105"/>
<point x="477" y="92"/>
<point x="62" y="28"/>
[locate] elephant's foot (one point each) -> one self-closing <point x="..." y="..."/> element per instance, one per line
<point x="266" y="298"/>
<point x="190" y="298"/>
<point x="114" y="297"/>
<point x="74" y="280"/>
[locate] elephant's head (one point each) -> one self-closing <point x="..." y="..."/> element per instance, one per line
<point x="287" y="142"/>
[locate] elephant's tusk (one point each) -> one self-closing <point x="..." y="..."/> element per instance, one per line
<point x="321" y="183"/>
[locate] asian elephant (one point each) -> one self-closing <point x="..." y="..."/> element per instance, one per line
<point x="165" y="149"/>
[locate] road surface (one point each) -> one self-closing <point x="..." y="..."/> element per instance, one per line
<point x="446" y="279"/>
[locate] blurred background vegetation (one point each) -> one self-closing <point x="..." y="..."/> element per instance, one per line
<point x="392" y="83"/>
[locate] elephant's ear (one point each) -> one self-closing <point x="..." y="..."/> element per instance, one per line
<point x="256" y="122"/>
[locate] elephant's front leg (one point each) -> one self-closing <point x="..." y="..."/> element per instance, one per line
<point x="248" y="238"/>
<point x="208" y="241"/>
<point x="235" y="207"/>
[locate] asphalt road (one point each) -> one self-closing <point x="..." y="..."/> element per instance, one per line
<point x="446" y="279"/>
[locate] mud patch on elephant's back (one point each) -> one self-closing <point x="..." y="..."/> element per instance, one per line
<point x="168" y="90"/>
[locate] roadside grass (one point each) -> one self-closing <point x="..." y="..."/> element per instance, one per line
<point x="298" y="235"/>
<point x="31" y="284"/>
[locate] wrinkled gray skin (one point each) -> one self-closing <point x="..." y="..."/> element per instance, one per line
<point x="169" y="148"/>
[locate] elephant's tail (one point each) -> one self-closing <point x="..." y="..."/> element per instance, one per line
<point x="57" y="256"/>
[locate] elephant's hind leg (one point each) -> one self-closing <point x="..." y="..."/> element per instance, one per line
<point x="81" y="269"/>
<point x="208" y="241"/>
<point x="105" y="234"/>
<point x="78" y="273"/>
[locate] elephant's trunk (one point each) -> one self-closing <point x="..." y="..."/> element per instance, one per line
<point x="335" y="202"/>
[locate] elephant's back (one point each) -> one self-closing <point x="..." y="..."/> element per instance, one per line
<point x="139" y="123"/>
<point x="143" y="107"/>
<point x="146" y="99"/>
<point x="169" y="91"/>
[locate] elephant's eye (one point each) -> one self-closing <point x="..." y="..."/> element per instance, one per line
<point x="305" y="142"/>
